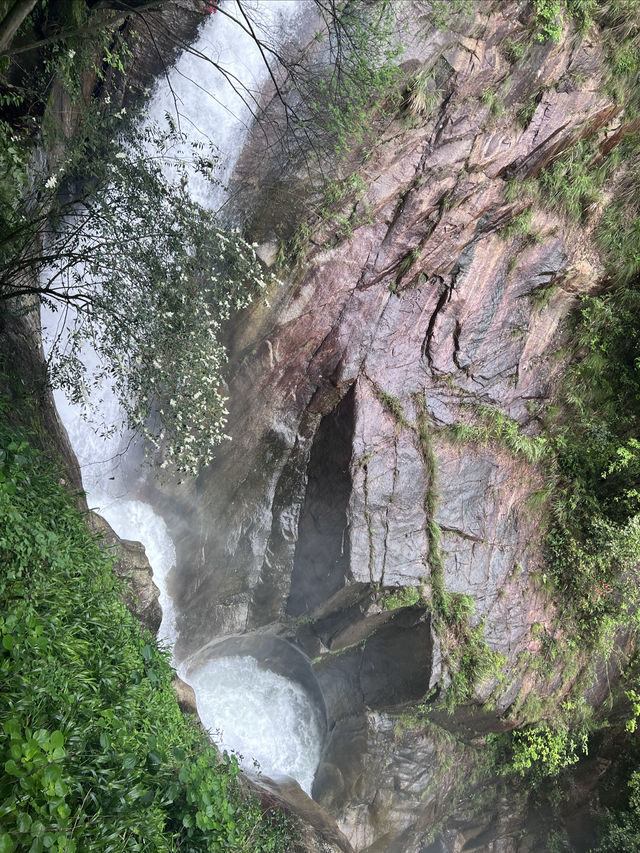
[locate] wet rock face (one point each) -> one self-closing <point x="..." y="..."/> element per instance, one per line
<point x="131" y="564"/>
<point x="339" y="417"/>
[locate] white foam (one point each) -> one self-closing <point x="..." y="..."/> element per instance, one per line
<point x="219" y="107"/>
<point x="262" y="716"/>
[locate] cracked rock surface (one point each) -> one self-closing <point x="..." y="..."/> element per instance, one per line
<point x="429" y="310"/>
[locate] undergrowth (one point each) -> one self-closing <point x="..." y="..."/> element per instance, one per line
<point x="96" y="753"/>
<point x="405" y="596"/>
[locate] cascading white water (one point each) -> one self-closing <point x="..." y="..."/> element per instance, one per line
<point x="266" y="717"/>
<point x="107" y="473"/>
<point x="212" y="106"/>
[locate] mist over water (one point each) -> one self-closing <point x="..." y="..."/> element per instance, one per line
<point x="264" y="716"/>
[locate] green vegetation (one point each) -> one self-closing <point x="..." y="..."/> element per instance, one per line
<point x="344" y="105"/>
<point x="548" y="20"/>
<point x="541" y="751"/>
<point x="446" y="14"/>
<point x="494" y="101"/>
<point x="525" y="113"/>
<point x="394" y="406"/>
<point x="406" y="596"/>
<point x="494" y="425"/>
<point x="520" y="226"/>
<point x="469" y="659"/>
<point x="86" y="41"/>
<point x="362" y="78"/>
<point x="423" y="96"/>
<point x="513" y="49"/>
<point x="465" y="651"/>
<point x="621" y="831"/>
<point x="101" y="235"/>
<point x="129" y="259"/>
<point x="591" y="439"/>
<point x="96" y="754"/>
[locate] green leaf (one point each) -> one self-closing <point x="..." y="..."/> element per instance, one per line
<point x="6" y="843"/>
<point x="56" y="740"/>
<point x="23" y="822"/>
<point x="12" y="727"/>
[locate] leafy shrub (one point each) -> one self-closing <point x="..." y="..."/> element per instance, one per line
<point x="96" y="753"/>
<point x="544" y="752"/>
<point x="621" y="832"/>
<point x="548" y="21"/>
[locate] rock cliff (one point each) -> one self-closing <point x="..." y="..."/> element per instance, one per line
<point x="349" y="505"/>
<point x="344" y="480"/>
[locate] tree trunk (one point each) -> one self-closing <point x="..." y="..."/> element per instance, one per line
<point x="13" y="14"/>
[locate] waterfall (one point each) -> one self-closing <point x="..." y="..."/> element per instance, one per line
<point x="268" y="718"/>
<point x="209" y="105"/>
<point x="109" y="473"/>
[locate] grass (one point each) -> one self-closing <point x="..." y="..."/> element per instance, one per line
<point x="526" y="112"/>
<point x="592" y="438"/>
<point x="393" y="406"/>
<point x="494" y="101"/>
<point x="423" y="96"/>
<point x="573" y="183"/>
<point x="520" y="226"/>
<point x="468" y="658"/>
<point x="96" y="752"/>
<point x="494" y="425"/>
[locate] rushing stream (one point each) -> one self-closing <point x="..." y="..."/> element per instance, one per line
<point x="266" y="717"/>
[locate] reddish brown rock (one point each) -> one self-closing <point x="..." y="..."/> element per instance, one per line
<point x="387" y="338"/>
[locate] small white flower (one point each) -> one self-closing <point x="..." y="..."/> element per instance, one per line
<point x="52" y="182"/>
<point x="107" y="98"/>
<point x="120" y="155"/>
<point x="71" y="53"/>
